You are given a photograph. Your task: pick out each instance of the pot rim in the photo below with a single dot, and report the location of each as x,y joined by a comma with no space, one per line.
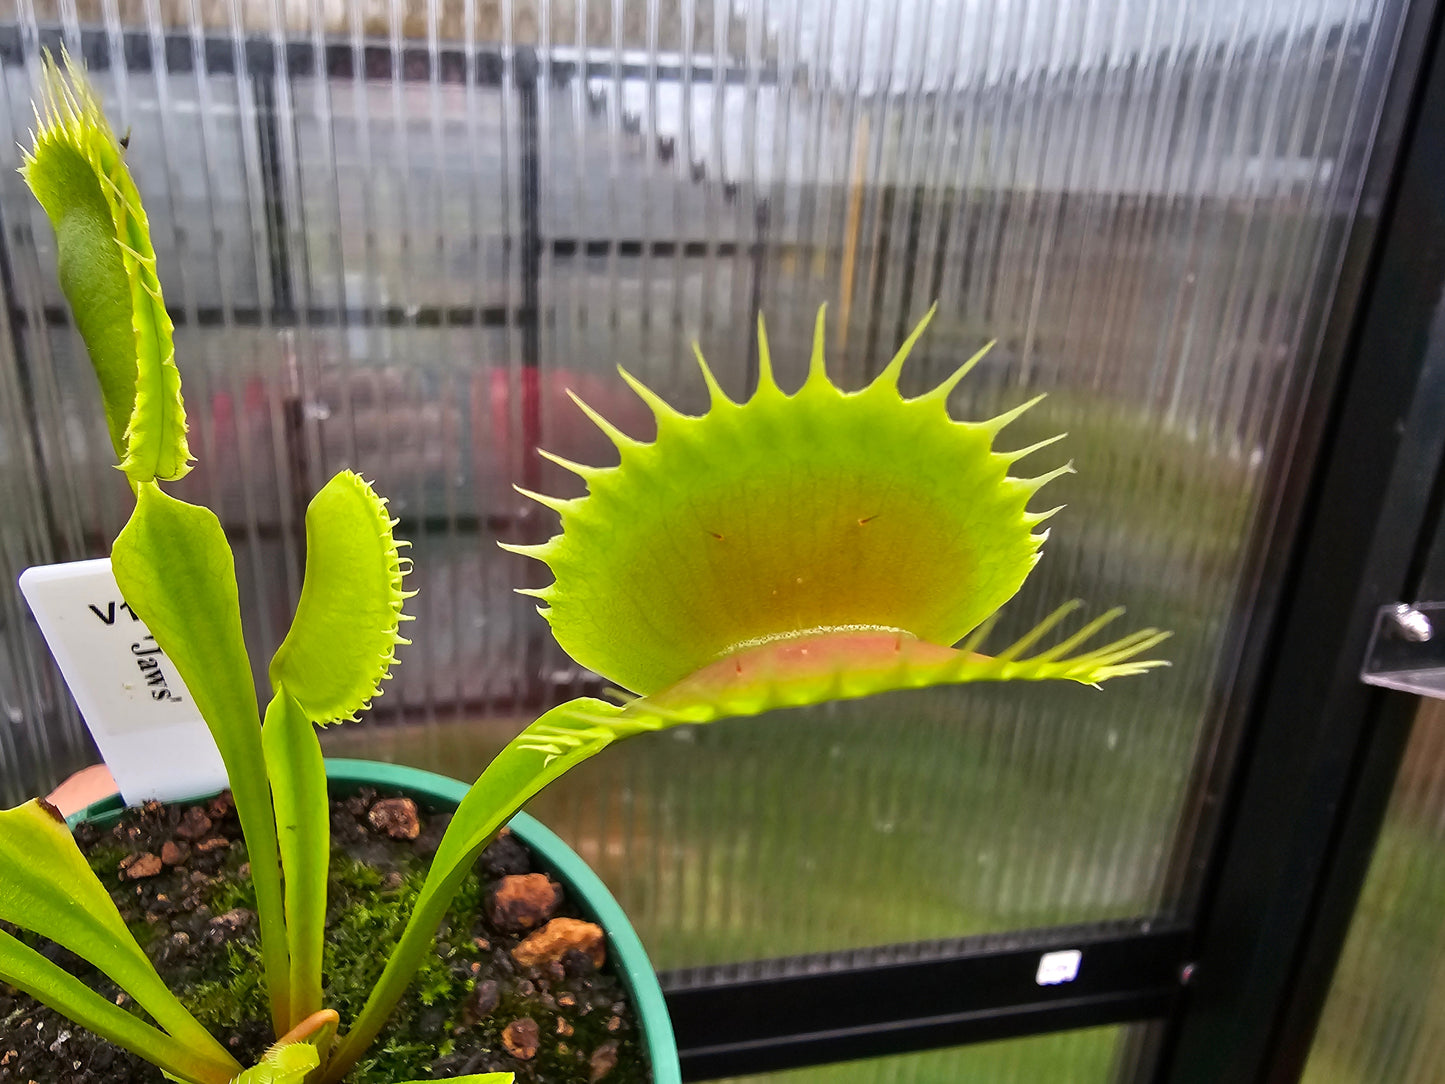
625,947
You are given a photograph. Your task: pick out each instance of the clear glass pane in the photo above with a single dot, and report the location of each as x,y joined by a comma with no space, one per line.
1383,1020
428,168
399,252
1071,1057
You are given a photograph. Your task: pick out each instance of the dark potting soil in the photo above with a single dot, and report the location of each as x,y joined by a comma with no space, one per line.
518,982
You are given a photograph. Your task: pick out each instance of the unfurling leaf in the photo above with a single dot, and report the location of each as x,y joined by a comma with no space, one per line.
286,1063
107,267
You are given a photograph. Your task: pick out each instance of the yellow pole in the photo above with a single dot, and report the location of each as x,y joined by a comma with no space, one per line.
850,235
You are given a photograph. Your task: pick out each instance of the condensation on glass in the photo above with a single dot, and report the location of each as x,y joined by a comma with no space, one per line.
1383,1019
395,236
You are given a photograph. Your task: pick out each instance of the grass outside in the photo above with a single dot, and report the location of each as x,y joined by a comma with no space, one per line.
1081,1057
1383,1019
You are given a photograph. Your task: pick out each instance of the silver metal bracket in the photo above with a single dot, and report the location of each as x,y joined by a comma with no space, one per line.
1407,649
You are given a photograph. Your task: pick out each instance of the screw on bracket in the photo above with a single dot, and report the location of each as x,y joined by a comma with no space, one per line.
1410,624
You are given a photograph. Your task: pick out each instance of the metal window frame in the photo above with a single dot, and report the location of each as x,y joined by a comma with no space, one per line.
812,1010
1290,805
1321,749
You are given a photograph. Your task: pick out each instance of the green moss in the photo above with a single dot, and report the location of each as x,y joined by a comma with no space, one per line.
368,908
104,859
231,994
231,893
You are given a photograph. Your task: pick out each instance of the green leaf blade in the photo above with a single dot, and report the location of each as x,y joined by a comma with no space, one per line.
48,888
107,269
27,970
303,828
174,567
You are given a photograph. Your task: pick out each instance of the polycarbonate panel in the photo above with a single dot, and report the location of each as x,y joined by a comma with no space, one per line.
1385,1017
1071,1057
399,248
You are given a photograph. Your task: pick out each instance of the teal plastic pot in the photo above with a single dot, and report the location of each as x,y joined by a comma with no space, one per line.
438,794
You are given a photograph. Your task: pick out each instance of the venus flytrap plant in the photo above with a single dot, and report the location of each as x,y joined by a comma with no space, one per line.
331,664
176,570
786,550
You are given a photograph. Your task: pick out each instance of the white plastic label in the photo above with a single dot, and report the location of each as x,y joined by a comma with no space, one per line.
1058,967
138,710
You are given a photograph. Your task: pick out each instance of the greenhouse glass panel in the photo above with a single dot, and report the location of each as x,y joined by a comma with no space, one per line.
395,239
1383,1017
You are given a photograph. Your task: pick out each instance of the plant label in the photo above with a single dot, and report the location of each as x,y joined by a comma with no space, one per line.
137,708
1056,968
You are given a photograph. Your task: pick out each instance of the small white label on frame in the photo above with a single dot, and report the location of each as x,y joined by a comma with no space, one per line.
137,708
1058,967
